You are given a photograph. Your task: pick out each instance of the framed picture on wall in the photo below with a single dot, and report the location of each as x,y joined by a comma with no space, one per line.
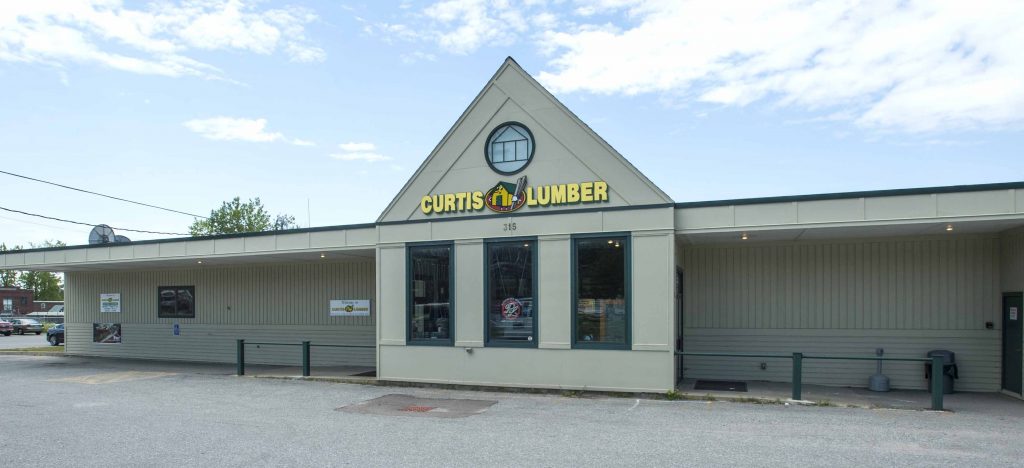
106,333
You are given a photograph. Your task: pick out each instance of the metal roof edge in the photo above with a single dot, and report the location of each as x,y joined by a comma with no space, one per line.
861,194
200,238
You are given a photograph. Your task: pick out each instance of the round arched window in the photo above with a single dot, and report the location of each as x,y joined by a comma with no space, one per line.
509,148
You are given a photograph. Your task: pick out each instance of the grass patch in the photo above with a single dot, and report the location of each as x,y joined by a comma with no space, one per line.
824,403
38,349
572,394
673,395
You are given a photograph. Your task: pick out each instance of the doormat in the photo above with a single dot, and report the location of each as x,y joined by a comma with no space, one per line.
408,405
372,373
720,385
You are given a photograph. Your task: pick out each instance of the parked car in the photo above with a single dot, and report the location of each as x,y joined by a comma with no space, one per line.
55,335
27,325
6,327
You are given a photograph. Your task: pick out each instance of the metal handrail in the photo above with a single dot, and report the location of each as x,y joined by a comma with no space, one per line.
306,345
936,368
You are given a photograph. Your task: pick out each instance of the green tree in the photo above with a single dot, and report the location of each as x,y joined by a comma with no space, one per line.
8,278
236,216
45,286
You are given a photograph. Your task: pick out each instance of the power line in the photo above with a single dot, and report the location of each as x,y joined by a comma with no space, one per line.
101,195
90,224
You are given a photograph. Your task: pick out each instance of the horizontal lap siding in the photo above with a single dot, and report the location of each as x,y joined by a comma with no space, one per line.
272,303
977,355
907,296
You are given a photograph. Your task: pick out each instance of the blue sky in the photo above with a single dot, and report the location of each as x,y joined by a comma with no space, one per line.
336,103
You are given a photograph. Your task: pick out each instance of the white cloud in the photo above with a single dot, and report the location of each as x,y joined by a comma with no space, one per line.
916,66
156,39
239,129
361,156
463,26
353,146
360,152
889,65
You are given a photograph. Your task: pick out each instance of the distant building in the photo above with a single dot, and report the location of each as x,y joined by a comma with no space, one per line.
16,301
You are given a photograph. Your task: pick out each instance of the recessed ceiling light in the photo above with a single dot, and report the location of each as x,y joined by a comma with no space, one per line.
744,236
322,255
949,227
200,261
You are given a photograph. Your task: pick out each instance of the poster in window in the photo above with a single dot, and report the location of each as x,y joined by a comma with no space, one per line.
110,303
106,333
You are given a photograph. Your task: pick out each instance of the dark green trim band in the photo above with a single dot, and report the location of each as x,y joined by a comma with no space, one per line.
864,194
519,214
341,227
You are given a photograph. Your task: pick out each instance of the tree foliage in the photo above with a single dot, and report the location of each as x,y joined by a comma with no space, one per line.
45,286
8,278
236,216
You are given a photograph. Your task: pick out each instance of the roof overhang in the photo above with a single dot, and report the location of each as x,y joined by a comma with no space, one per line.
297,246
917,212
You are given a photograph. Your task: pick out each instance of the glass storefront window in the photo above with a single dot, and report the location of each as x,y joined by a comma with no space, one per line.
601,292
511,293
177,302
429,290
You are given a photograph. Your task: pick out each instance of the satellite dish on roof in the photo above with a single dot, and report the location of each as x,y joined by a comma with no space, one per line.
102,234
120,238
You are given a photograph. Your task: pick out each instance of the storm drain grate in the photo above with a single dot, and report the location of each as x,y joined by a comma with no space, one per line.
720,385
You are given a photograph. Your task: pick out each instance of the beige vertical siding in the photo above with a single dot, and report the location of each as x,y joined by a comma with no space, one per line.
279,303
845,297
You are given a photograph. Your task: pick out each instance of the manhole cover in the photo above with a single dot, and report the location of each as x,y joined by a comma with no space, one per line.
408,405
720,385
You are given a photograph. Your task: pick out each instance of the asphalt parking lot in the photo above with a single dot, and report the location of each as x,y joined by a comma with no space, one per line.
29,340
61,411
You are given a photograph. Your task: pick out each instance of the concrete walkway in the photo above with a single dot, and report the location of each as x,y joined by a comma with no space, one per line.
775,392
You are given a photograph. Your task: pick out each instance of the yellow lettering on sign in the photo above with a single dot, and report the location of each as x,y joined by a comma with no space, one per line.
460,200
558,194
544,195
478,200
587,192
530,201
425,204
600,191
438,203
572,193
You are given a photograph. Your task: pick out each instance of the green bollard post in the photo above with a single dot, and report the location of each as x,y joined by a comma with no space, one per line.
241,357
305,359
798,360
937,383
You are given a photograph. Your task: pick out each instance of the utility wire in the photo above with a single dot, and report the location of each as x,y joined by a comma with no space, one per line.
89,224
101,195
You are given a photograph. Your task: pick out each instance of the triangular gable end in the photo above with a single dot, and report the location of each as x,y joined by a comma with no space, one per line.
566,156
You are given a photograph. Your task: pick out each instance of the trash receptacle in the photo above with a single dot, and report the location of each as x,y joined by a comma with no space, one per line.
949,368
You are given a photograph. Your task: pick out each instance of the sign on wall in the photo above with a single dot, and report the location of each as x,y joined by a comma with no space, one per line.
110,303
350,308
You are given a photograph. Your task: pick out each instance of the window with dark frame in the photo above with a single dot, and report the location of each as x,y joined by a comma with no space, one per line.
429,275
176,301
601,309
511,293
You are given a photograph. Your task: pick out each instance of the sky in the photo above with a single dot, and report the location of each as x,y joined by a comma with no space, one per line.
323,109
